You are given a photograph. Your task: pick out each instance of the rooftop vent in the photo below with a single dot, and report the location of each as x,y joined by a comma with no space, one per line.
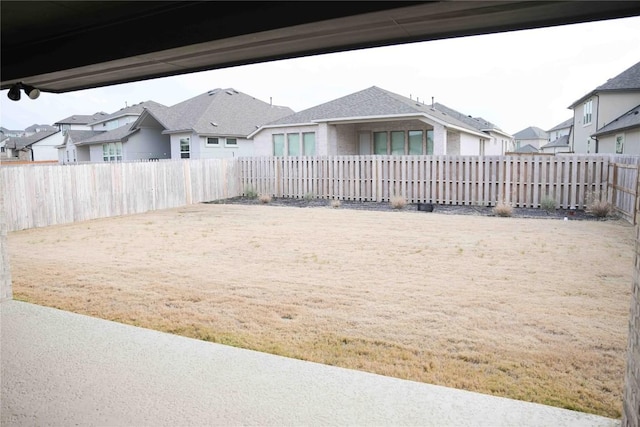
229,92
213,92
214,124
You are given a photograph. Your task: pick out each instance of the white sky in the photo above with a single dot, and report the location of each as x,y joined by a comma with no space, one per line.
515,80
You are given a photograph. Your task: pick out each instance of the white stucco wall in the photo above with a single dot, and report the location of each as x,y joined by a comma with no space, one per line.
45,149
175,145
470,144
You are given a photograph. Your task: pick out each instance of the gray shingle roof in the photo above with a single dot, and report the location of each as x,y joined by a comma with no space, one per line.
219,112
476,122
628,80
132,110
40,128
371,102
563,141
25,141
81,119
77,136
527,149
114,135
629,120
532,132
567,123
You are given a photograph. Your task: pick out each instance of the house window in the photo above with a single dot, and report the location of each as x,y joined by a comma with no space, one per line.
430,142
619,144
185,148
587,112
278,144
397,143
231,142
379,143
415,142
293,143
309,143
213,142
111,152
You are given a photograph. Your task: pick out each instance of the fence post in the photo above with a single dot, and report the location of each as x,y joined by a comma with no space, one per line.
5,274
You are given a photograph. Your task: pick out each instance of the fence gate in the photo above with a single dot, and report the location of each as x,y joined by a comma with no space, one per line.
623,189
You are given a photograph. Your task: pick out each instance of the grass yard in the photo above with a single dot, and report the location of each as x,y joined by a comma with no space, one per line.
530,309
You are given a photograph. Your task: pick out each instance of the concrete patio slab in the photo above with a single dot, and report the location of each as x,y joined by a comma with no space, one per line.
60,368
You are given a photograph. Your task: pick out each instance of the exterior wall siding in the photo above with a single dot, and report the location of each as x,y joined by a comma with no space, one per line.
147,143
243,149
46,148
631,146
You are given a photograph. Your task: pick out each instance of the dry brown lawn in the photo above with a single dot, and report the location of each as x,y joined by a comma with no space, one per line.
530,309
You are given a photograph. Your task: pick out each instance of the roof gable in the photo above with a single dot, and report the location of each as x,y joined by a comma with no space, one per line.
27,141
374,102
566,124
80,119
219,112
532,132
630,119
563,141
132,110
628,80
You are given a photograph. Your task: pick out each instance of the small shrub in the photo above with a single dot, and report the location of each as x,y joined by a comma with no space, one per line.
264,198
597,204
250,193
335,204
503,209
398,202
548,204
309,196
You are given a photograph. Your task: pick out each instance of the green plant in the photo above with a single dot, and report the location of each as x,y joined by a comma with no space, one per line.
250,193
503,209
597,204
548,203
398,202
264,198
309,196
335,204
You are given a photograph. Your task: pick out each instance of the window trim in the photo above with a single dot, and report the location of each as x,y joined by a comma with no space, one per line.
226,143
588,105
187,152
619,138
212,144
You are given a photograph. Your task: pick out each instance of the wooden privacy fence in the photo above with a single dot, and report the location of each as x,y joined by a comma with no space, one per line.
38,196
622,191
522,181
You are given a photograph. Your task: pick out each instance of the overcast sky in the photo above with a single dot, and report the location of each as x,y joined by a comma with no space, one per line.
515,80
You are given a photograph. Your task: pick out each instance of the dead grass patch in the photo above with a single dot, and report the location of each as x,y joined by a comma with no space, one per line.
462,301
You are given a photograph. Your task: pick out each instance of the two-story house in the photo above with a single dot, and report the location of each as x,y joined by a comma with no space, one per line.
559,138
595,113
108,137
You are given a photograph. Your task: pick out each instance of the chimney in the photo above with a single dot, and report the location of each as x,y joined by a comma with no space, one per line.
271,100
432,104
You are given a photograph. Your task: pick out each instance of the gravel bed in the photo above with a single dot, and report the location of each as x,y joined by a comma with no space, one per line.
560,214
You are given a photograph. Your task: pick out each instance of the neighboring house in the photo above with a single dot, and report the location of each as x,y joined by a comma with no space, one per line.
8,133
533,136
527,149
559,137
373,121
78,122
601,107
110,138
212,125
622,135
38,128
40,146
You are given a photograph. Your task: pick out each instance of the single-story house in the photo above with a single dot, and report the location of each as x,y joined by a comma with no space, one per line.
622,135
372,121
214,124
40,146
